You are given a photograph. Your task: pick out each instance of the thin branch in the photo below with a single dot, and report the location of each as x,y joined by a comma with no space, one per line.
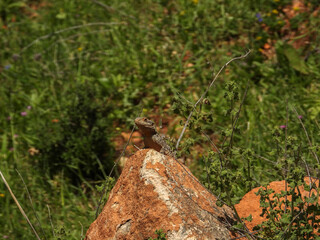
115,164
100,166
310,178
247,231
274,163
19,206
293,219
237,115
30,199
308,172
205,93
285,156
215,147
52,228
212,143
317,124
111,9
305,131
286,131
71,37
81,236
244,235
108,8
65,30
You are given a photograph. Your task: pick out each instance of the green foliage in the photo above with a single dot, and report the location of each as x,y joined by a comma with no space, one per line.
290,219
290,214
78,143
223,176
8,8
105,187
73,72
61,234
161,235
295,61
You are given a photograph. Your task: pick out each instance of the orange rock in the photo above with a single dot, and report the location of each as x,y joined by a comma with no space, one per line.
155,192
250,203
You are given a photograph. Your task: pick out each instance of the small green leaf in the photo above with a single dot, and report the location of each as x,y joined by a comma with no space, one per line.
296,62
17,4
61,15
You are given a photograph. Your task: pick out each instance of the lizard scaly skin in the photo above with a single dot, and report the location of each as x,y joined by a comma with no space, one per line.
153,139
156,141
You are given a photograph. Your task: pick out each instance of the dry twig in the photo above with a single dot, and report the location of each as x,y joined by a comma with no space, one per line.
67,29
19,206
307,135
115,164
205,93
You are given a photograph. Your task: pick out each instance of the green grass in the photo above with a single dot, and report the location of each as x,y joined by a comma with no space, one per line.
86,69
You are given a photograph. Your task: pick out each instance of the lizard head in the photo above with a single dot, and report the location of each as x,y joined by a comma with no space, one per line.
146,126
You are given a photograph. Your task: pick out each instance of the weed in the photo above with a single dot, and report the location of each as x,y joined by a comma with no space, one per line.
161,235
83,67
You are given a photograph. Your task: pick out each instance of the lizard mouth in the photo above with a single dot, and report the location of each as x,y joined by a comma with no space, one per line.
144,122
146,126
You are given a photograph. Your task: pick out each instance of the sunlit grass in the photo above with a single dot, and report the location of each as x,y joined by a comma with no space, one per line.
126,55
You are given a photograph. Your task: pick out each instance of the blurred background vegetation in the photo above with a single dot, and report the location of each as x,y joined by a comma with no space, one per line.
74,75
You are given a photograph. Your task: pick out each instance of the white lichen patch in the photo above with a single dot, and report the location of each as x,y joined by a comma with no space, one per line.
152,176
182,233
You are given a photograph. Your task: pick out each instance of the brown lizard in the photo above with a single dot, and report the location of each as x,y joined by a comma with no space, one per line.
158,142
153,139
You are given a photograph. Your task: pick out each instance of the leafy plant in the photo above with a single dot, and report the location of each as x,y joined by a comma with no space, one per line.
8,7
161,235
77,143
291,214
83,67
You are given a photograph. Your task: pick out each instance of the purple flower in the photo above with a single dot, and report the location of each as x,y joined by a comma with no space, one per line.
16,135
29,107
11,149
37,57
283,126
23,113
15,57
9,118
6,67
300,116
258,15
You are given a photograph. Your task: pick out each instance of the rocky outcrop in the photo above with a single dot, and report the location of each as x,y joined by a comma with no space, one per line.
155,192
250,203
